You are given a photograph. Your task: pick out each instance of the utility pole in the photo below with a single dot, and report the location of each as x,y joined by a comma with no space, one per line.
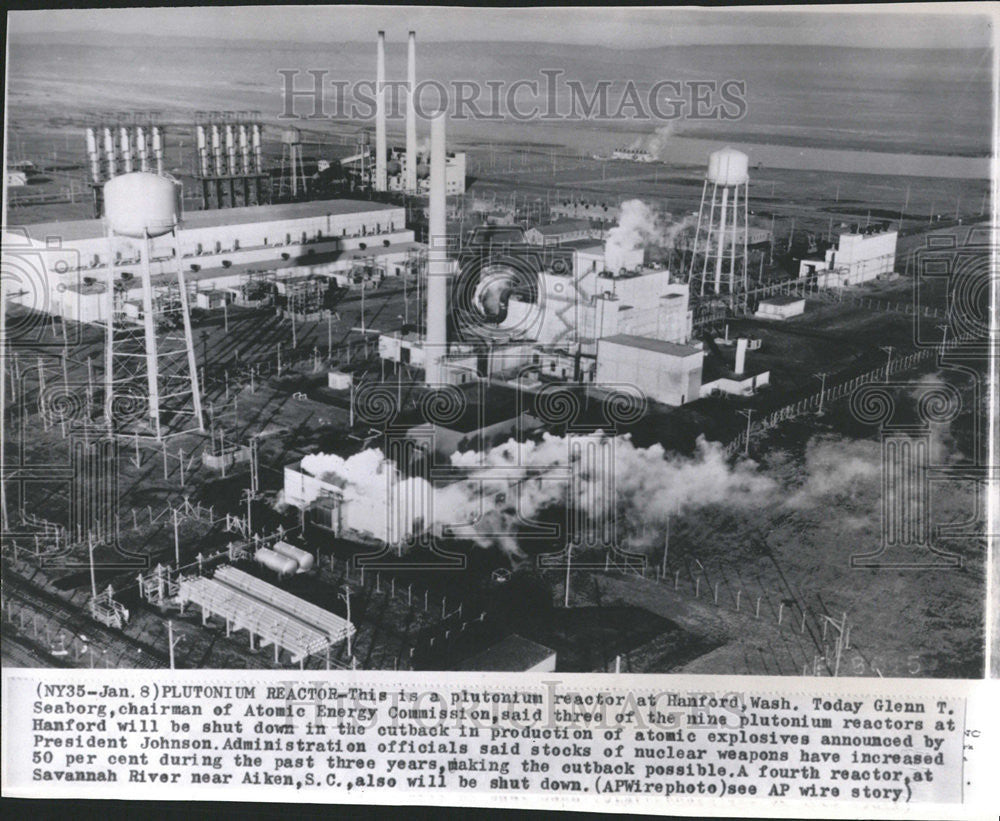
171,643
748,413
888,362
345,595
822,391
569,561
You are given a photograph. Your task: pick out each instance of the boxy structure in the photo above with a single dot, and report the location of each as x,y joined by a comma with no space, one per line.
665,371
860,256
781,307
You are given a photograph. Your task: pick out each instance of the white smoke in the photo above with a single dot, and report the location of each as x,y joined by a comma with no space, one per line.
678,230
655,143
513,482
638,226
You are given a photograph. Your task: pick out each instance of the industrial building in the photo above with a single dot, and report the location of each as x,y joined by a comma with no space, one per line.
562,230
216,248
664,371
861,255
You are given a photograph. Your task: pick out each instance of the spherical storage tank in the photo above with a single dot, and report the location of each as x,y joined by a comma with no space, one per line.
728,167
141,203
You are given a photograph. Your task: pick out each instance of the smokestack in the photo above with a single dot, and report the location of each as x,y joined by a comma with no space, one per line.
230,150
411,115
158,149
438,266
217,151
258,156
381,183
202,151
125,146
244,150
93,156
741,356
141,149
109,152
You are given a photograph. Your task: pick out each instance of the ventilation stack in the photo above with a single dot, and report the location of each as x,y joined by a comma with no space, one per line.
258,156
204,166
158,149
438,265
141,149
125,148
411,115
218,161
293,175
381,179
149,371
741,356
93,155
244,151
230,150
725,226
109,152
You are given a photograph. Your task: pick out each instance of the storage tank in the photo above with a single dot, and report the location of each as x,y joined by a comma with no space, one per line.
141,203
728,167
291,136
282,565
302,558
423,171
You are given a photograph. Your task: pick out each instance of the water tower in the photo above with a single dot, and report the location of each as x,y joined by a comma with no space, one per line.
293,176
720,240
149,367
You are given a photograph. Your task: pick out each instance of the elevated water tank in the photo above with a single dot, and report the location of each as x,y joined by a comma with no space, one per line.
291,136
282,565
139,203
728,167
302,558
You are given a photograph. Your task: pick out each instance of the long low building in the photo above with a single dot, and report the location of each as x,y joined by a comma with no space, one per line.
322,236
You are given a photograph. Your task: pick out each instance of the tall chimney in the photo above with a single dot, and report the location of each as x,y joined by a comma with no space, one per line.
411,115
109,152
741,356
93,155
381,182
158,149
438,266
244,150
125,148
202,151
217,151
258,157
141,148
230,150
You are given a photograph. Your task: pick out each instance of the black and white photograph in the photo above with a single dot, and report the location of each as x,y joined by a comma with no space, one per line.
347,340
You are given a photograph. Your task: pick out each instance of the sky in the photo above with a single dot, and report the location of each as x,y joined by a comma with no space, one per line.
906,26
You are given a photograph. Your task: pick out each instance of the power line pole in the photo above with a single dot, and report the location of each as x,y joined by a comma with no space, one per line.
345,595
748,413
888,362
822,391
